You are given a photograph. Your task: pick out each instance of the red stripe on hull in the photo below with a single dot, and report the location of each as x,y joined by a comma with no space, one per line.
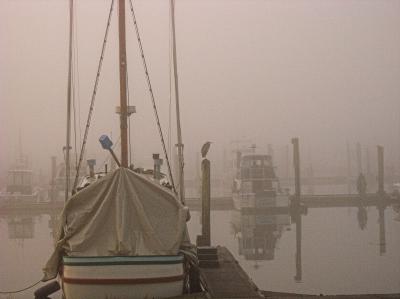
122,280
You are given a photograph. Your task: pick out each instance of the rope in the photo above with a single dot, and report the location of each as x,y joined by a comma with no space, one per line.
170,90
129,119
21,290
76,89
152,95
93,96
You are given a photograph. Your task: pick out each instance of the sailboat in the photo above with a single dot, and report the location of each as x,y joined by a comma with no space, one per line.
121,235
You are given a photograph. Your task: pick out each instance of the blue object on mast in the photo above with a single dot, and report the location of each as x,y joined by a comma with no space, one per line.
106,142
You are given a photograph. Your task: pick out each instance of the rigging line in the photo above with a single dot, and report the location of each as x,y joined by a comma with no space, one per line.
21,290
74,115
152,96
77,81
93,95
129,119
170,89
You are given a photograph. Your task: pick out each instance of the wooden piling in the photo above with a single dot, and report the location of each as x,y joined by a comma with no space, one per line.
296,162
359,160
348,154
205,238
53,178
381,188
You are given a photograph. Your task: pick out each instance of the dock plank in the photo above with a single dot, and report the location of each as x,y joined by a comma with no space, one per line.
228,280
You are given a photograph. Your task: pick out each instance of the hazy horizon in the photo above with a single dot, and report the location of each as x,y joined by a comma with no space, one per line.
326,72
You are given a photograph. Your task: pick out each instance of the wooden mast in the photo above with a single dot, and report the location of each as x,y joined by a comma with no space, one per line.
122,84
69,96
178,119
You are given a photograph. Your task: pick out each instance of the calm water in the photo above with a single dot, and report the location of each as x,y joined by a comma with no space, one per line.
339,250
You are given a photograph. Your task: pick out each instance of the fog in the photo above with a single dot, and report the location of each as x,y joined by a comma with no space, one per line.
265,71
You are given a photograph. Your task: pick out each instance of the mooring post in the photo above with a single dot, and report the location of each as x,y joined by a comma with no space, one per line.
348,153
53,178
296,162
381,188
359,160
205,199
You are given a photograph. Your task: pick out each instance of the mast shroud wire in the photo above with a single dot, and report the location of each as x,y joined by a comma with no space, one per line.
93,96
152,96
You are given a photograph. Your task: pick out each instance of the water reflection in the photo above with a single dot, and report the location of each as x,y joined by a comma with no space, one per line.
277,245
362,217
382,231
20,227
258,234
259,229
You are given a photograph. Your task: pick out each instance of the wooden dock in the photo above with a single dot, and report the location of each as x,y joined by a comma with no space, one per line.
227,279
217,203
35,208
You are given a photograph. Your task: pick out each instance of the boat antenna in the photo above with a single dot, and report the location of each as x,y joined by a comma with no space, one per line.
152,96
96,83
69,96
178,118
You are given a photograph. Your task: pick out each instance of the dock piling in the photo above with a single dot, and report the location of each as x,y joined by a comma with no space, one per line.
296,162
205,238
381,174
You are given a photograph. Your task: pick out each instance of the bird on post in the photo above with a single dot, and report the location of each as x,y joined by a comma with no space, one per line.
205,148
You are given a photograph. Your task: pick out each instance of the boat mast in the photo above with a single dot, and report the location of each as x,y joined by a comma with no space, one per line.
178,119
69,96
122,84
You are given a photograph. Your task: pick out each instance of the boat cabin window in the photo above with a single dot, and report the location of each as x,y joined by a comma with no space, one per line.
21,178
19,182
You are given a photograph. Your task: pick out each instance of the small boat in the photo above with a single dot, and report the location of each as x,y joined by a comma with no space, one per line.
120,238
255,183
19,186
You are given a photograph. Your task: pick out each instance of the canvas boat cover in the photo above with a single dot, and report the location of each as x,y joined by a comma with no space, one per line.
121,214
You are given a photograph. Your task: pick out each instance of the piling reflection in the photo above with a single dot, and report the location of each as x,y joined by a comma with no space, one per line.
362,217
296,215
382,231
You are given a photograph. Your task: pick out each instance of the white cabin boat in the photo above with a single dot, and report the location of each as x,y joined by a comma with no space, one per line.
19,186
255,183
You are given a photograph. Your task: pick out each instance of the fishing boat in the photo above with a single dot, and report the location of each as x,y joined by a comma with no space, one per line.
123,234
255,183
19,186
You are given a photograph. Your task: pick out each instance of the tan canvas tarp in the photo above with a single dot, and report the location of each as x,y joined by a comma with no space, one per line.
120,214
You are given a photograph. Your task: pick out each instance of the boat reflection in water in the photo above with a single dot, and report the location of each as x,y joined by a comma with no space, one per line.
258,229
258,234
256,193
20,228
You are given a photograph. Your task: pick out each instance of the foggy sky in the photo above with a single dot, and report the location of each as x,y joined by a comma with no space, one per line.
325,71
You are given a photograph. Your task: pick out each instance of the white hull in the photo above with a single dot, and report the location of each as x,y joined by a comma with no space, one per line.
123,277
